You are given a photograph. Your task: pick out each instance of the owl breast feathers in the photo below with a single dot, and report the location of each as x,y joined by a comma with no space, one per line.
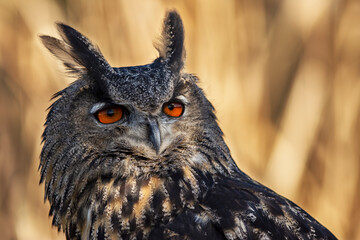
136,153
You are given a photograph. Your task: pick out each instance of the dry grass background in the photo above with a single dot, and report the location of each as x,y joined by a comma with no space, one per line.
284,77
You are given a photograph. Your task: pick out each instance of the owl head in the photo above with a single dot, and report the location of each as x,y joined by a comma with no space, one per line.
127,122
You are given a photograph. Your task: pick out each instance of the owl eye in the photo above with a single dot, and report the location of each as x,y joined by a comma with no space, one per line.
110,114
173,109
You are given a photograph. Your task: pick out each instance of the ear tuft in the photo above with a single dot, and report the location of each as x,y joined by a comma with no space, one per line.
171,48
76,52
61,51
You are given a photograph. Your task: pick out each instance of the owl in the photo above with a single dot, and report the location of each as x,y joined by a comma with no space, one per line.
137,153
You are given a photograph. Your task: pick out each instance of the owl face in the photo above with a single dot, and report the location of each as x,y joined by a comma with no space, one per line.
149,125
154,113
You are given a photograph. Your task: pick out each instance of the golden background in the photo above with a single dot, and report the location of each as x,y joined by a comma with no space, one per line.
284,77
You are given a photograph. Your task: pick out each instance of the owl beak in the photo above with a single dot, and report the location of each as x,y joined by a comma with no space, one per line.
154,134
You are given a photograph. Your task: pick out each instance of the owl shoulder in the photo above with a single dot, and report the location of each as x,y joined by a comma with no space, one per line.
245,209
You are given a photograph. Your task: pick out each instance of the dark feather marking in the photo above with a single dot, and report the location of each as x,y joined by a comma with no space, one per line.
100,233
72,233
115,221
157,201
174,189
128,207
101,209
132,225
139,235
148,218
106,178
93,232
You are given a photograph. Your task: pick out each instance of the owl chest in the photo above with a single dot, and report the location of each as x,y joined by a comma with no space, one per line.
132,208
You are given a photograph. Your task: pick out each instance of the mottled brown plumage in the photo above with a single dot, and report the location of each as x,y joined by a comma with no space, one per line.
150,174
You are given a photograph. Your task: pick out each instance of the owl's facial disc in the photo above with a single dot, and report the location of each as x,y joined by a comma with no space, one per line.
126,126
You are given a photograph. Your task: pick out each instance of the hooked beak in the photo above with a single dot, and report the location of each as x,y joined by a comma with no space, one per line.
154,134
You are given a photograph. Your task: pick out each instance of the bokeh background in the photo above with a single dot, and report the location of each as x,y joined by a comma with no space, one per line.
284,77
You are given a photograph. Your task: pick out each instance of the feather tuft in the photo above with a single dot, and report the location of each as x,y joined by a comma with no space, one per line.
171,45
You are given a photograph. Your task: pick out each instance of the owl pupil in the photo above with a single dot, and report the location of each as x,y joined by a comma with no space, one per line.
110,112
171,106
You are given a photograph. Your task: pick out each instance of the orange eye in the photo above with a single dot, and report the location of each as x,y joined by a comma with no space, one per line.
110,115
173,109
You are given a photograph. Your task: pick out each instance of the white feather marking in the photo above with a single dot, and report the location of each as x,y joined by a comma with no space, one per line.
202,219
252,217
198,159
183,99
86,229
240,230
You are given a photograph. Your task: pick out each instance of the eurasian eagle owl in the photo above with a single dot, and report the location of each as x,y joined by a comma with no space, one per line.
136,153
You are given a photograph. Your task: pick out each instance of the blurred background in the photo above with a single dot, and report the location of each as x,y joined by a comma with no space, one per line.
284,77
